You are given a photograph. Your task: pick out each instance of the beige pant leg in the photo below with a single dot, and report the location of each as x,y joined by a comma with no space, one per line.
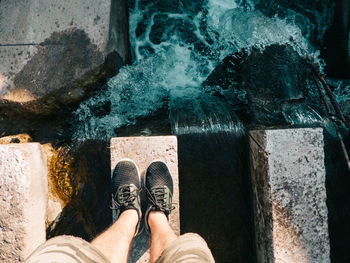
67,249
187,248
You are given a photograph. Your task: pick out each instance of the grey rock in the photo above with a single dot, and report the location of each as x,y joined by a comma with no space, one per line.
23,194
288,178
268,87
55,53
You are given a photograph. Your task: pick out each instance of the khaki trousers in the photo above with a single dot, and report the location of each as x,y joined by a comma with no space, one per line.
68,249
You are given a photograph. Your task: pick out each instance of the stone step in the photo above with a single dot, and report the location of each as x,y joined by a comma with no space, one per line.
288,179
23,198
40,40
144,150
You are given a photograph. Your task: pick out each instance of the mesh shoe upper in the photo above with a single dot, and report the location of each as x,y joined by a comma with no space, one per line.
159,187
158,174
126,186
125,173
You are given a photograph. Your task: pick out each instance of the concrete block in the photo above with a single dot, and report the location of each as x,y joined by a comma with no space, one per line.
51,46
23,194
143,151
288,179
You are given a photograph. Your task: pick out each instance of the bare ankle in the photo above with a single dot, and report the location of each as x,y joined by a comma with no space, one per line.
161,233
130,217
156,217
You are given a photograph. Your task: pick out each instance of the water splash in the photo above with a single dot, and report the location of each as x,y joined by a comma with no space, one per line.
249,29
312,17
342,90
175,46
301,115
193,111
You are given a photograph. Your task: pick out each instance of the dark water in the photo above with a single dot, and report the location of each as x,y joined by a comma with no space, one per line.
214,193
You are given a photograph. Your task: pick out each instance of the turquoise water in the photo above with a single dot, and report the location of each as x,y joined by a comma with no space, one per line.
175,46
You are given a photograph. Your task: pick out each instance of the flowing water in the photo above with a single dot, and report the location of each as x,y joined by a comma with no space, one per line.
176,45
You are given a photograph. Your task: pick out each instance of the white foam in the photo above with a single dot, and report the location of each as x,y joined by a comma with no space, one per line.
176,65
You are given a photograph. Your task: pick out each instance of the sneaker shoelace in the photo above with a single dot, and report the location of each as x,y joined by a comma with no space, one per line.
157,198
126,197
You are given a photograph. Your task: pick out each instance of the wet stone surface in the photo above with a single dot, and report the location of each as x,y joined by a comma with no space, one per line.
62,58
64,70
54,54
267,87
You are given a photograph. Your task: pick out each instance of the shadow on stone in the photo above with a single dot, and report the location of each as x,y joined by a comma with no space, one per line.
64,71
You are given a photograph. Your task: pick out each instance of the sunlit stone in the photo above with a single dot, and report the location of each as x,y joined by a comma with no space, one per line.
288,178
23,194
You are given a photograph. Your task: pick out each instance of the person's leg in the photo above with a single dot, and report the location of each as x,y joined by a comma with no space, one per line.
161,233
166,246
159,187
187,248
126,184
115,242
111,246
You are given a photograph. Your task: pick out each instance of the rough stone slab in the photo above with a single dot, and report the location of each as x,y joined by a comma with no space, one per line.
23,194
33,21
288,179
143,151
72,40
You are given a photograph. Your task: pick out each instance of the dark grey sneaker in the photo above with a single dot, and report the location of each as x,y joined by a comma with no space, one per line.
159,189
126,187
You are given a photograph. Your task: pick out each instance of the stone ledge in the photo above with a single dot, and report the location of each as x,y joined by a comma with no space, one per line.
23,194
288,179
54,52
